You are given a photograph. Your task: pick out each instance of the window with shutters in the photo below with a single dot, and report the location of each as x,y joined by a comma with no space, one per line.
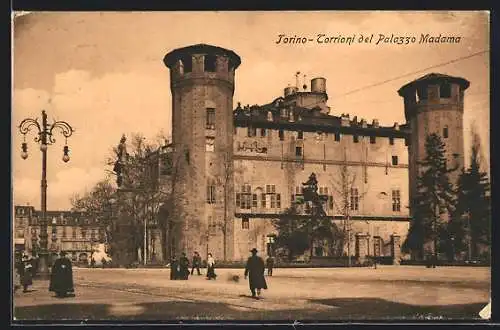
254,200
354,199
245,223
210,193
278,201
263,200
244,199
396,201
210,123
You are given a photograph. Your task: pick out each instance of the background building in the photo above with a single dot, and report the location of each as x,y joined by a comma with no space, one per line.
72,232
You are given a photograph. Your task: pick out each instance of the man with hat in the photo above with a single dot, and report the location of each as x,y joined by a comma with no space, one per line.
254,269
61,280
26,272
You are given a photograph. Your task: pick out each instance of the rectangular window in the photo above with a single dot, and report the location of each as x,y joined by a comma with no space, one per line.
245,223
298,151
252,131
355,138
278,201
254,201
210,122
394,160
445,91
187,63
391,140
273,201
64,232
263,132
396,201
73,234
270,189
210,63
210,194
337,137
263,200
84,233
372,139
354,199
282,135
445,132
238,200
330,202
300,135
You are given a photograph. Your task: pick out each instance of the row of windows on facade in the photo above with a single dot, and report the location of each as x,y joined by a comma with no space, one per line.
64,221
252,131
94,233
270,199
209,64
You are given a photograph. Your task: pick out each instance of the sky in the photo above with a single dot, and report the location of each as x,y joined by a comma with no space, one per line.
102,72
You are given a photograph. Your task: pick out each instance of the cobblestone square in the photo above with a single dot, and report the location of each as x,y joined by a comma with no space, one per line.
388,292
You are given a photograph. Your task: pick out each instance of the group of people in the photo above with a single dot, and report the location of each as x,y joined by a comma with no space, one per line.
179,269
61,275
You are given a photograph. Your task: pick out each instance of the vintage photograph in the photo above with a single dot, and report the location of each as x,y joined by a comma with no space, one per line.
292,166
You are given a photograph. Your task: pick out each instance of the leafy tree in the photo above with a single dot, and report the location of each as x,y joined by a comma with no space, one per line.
305,222
291,234
434,200
473,210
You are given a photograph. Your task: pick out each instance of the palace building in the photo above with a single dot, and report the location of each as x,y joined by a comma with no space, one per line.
238,168
73,232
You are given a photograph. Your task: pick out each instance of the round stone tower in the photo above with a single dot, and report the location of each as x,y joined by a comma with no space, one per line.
434,103
202,86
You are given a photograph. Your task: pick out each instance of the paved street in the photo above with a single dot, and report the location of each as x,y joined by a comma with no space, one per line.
388,292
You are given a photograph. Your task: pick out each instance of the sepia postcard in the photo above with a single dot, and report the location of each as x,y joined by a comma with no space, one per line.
236,166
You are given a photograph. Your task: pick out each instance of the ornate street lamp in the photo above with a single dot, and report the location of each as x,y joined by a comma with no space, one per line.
44,137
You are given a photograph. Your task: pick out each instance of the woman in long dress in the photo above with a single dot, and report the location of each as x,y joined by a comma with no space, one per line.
211,267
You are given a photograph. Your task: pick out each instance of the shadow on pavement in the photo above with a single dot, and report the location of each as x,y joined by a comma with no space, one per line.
344,309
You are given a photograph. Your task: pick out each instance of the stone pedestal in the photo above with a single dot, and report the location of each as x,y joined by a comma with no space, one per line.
396,248
361,246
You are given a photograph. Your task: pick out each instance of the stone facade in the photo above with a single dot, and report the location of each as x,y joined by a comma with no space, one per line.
69,231
239,169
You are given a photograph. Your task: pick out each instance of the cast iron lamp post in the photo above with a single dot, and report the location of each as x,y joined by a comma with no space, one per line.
44,137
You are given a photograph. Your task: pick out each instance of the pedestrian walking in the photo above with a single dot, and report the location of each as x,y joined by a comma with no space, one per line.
196,263
26,272
61,279
254,269
211,267
174,268
184,266
270,265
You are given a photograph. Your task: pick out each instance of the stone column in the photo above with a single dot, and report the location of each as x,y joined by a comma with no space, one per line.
395,248
361,246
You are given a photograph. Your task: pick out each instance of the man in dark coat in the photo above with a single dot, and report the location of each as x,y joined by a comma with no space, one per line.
270,265
61,280
196,263
254,269
184,266
26,272
174,269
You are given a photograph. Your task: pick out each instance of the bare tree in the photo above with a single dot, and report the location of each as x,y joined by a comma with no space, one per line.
349,198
